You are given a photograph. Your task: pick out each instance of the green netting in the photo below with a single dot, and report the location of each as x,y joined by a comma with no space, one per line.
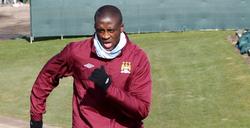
64,17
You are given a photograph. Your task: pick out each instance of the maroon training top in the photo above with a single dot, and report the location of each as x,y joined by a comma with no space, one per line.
123,105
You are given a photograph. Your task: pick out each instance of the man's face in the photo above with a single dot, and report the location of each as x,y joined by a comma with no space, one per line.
108,31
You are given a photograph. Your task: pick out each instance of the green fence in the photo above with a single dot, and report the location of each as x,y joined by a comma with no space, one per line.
75,17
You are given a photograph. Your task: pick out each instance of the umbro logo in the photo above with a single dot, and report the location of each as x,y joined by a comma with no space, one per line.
89,65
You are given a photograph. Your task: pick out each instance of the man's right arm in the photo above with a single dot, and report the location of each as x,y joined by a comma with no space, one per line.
56,68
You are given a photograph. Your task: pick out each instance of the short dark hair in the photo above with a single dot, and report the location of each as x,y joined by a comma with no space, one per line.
108,10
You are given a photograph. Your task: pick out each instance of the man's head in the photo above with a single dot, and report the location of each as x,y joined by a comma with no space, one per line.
108,26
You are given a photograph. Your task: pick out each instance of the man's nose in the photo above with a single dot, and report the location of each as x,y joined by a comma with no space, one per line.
106,35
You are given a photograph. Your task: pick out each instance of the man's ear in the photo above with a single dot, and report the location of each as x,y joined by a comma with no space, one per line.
122,27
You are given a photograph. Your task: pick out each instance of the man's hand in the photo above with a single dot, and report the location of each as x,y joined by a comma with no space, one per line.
100,78
36,124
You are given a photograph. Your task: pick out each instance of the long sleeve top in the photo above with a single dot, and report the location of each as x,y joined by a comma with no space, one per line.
124,104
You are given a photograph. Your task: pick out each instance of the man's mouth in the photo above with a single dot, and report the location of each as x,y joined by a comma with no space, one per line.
107,45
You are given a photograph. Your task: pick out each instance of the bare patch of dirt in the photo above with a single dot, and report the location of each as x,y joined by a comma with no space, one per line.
14,21
7,122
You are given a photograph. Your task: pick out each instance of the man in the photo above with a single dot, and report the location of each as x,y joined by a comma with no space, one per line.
112,79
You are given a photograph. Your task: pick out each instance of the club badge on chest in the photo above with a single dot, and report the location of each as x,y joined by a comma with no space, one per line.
126,67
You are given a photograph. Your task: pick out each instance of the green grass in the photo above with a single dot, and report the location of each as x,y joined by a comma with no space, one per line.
199,81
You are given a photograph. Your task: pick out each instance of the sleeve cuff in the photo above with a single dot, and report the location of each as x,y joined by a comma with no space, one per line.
36,117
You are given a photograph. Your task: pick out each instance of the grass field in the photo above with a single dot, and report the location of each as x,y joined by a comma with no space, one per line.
199,81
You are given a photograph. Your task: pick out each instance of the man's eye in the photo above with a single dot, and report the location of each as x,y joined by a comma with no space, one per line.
100,30
111,30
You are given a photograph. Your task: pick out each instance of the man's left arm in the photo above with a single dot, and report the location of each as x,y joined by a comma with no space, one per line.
135,102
